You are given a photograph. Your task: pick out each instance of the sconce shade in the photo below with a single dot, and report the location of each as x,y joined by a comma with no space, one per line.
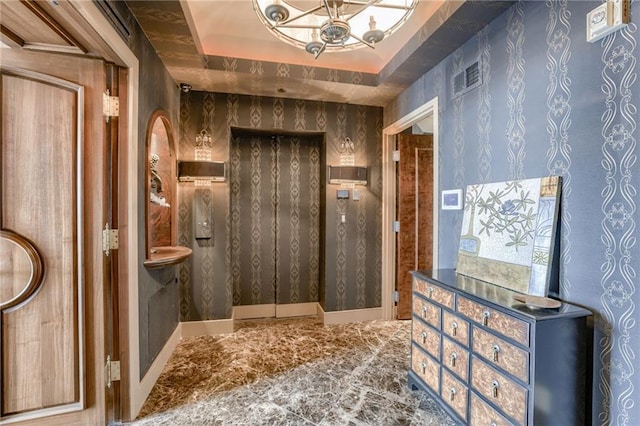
348,174
189,171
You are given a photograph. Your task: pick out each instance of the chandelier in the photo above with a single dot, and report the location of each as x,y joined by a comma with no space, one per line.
319,25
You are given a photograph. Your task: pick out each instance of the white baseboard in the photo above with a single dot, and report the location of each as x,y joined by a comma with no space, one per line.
139,396
354,315
275,311
206,328
297,310
254,311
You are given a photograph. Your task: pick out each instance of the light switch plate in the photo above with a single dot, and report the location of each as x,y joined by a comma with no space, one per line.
342,194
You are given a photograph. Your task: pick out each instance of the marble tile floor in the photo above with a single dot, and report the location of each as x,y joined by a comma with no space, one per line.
292,372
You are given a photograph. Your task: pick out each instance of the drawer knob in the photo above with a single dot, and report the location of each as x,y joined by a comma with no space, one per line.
454,328
452,394
496,351
430,290
453,358
424,312
494,388
424,367
485,317
424,337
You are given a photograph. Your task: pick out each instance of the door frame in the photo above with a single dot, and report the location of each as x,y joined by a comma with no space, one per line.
128,256
389,196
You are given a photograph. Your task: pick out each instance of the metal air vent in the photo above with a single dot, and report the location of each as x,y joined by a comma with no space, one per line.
466,80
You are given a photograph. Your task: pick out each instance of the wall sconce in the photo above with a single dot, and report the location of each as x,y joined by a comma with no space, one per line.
202,171
347,173
203,146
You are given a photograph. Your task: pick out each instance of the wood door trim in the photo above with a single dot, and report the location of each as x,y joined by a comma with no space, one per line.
46,19
388,270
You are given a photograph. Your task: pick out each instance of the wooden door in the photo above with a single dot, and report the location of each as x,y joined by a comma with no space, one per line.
415,207
51,216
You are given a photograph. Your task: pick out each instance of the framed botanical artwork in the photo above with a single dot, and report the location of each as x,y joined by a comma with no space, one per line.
508,234
451,199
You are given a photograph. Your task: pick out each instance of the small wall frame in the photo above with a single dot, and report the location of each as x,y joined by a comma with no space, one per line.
451,199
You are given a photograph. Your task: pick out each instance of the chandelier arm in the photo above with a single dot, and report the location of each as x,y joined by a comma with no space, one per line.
362,41
302,15
390,6
365,4
324,46
326,6
301,26
377,3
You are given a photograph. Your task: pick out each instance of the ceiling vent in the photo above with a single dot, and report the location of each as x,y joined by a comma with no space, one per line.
467,79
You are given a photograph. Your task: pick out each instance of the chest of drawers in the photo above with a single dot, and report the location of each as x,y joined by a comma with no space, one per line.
490,360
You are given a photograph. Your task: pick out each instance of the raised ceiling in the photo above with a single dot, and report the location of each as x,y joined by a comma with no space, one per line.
221,46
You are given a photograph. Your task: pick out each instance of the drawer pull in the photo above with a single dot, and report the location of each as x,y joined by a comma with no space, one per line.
494,388
430,290
453,357
424,312
424,367
496,350
452,394
424,337
485,317
454,328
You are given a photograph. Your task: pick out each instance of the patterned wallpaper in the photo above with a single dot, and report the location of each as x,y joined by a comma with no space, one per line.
213,280
275,218
552,103
157,289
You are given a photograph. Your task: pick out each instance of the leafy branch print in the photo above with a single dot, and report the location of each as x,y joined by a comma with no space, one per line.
507,211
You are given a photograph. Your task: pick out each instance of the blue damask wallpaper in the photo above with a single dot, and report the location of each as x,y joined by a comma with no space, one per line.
551,103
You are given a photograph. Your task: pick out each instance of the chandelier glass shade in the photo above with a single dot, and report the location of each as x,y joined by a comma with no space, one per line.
333,25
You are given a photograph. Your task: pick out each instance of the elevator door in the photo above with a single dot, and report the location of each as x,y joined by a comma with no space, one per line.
275,218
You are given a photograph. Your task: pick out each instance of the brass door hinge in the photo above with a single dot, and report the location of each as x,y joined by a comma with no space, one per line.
111,371
110,106
110,239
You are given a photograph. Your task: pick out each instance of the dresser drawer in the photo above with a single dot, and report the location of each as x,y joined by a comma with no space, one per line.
427,311
500,322
426,337
483,415
507,395
434,292
455,358
455,394
501,353
426,368
456,328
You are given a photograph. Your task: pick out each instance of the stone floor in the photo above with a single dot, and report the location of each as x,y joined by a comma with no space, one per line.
292,372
